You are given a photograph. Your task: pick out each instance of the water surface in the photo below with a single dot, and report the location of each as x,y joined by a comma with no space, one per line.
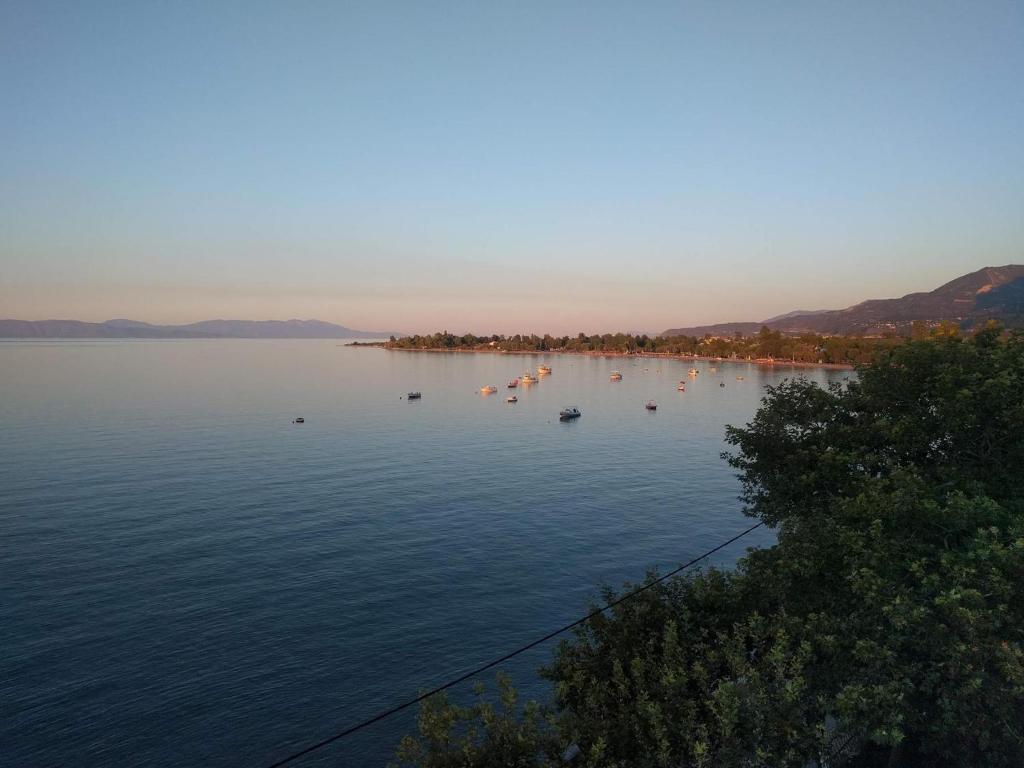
187,577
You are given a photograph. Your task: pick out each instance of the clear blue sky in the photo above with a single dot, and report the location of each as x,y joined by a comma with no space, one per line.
502,167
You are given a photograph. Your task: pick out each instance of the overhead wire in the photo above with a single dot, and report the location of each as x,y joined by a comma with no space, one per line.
501,659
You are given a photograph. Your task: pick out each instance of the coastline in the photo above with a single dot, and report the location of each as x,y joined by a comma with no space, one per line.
642,355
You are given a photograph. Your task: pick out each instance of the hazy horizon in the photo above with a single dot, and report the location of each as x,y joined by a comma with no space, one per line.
527,168
453,329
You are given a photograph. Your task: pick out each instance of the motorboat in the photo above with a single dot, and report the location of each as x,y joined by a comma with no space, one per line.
490,389
616,376
414,396
511,399
529,379
298,420
513,384
721,383
543,370
682,386
651,405
739,378
693,371
569,413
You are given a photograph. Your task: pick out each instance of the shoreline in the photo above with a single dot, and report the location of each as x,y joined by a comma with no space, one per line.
642,355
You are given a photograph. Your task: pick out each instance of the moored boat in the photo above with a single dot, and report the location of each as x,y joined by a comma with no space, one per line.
739,378
414,396
511,399
616,376
490,389
651,405
569,413
298,420
543,370
529,379
693,371
513,384
682,386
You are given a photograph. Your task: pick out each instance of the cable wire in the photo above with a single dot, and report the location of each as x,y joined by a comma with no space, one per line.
522,649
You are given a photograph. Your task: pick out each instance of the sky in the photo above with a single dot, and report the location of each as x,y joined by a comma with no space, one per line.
502,167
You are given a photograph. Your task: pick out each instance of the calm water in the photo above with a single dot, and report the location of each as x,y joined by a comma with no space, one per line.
186,577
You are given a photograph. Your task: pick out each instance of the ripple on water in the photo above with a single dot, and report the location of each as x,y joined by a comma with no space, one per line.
187,576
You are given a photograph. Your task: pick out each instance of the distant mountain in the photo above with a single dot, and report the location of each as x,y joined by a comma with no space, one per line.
75,329
796,313
129,324
992,293
280,329
718,329
208,329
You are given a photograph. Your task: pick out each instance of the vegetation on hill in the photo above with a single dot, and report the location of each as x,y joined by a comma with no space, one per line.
885,627
809,348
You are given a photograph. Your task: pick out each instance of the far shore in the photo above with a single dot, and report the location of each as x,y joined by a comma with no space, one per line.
643,355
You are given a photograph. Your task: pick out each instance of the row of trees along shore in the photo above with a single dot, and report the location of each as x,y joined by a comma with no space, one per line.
806,348
885,627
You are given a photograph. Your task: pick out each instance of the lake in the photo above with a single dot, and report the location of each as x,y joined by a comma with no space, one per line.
187,577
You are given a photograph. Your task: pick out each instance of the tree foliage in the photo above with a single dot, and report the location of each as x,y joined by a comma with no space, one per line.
885,626
768,344
482,735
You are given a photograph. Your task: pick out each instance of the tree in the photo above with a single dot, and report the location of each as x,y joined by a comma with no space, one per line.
481,735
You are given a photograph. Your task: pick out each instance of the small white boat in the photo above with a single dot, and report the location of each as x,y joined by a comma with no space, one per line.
543,370
569,412
739,378
651,405
682,386
490,389
513,384
616,376
528,379
693,371
511,399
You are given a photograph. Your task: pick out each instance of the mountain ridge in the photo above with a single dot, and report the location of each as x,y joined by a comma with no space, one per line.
121,328
990,293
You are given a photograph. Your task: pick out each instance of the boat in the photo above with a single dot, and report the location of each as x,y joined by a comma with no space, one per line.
490,389
414,396
616,376
682,386
721,383
511,399
651,405
513,384
693,371
739,378
569,413
298,420
543,370
528,379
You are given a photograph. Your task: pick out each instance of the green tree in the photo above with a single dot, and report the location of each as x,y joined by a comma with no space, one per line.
482,735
